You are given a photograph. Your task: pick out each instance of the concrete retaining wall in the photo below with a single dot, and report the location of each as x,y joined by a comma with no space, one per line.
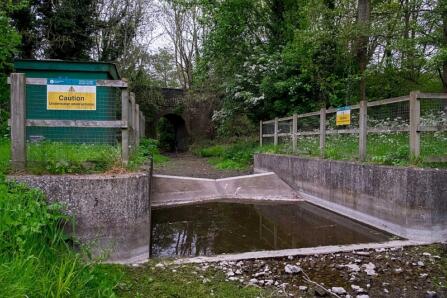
111,211
409,202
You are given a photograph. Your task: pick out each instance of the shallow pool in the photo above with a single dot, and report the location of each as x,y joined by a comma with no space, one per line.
218,228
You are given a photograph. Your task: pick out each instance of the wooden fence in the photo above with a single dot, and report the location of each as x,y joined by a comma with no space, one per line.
414,128
132,123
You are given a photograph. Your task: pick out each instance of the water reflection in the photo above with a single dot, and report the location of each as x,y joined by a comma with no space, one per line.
216,228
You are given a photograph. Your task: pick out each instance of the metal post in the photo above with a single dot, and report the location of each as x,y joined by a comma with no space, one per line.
275,136
322,131
415,113
125,131
18,127
260,133
363,130
294,132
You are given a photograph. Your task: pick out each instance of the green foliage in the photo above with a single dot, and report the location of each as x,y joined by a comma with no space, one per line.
36,258
236,156
148,149
64,158
68,27
385,149
9,43
274,58
166,134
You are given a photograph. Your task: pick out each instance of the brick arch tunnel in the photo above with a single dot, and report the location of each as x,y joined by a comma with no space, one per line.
173,133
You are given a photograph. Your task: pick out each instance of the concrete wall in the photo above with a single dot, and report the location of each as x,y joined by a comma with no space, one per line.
170,190
409,202
111,212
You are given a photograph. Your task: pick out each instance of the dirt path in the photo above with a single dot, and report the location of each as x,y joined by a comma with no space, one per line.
186,164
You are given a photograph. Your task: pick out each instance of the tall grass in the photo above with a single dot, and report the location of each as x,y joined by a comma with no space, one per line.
386,149
65,158
36,257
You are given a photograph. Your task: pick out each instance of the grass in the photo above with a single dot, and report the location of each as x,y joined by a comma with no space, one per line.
183,281
36,257
385,149
65,158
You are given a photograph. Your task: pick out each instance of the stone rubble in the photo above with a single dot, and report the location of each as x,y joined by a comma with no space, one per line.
372,273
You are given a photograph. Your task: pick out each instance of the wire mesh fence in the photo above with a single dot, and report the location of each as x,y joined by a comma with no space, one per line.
434,118
308,135
71,139
408,129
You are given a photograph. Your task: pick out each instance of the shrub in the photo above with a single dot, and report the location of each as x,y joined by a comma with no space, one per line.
35,255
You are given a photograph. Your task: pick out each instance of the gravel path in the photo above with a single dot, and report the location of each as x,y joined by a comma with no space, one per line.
186,164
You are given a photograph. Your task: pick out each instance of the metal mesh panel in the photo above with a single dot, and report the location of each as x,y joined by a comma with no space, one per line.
72,148
285,127
342,140
268,128
388,138
389,116
308,144
434,116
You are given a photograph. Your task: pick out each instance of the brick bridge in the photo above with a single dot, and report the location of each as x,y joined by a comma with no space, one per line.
189,114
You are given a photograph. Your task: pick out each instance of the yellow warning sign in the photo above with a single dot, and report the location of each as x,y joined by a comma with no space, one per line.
71,97
343,116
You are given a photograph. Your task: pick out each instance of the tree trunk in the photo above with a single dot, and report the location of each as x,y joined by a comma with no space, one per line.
363,17
444,65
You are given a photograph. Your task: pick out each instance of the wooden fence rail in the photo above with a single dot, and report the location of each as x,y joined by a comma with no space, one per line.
132,122
414,128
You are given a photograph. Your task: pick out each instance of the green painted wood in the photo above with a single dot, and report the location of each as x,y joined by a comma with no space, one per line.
108,100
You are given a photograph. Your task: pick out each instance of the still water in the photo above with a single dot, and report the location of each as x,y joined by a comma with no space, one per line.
217,228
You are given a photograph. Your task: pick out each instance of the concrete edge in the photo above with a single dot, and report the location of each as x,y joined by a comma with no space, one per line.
181,177
265,173
300,251
247,176
96,176
408,233
226,200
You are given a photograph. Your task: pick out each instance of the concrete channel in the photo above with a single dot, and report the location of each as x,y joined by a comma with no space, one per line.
115,210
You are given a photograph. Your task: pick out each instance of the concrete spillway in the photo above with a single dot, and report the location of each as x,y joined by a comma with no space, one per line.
169,190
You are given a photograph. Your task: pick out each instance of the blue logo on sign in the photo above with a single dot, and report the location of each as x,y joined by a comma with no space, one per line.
59,81
346,108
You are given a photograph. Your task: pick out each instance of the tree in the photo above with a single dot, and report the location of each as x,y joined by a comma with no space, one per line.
9,43
163,69
67,27
363,19
181,23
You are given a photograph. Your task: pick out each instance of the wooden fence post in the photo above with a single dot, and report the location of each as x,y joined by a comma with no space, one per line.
415,113
132,120
322,131
260,133
125,131
18,127
141,125
275,136
143,130
294,131
137,126
363,129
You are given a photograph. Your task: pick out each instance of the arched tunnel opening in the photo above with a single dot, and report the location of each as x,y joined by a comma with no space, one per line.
172,133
